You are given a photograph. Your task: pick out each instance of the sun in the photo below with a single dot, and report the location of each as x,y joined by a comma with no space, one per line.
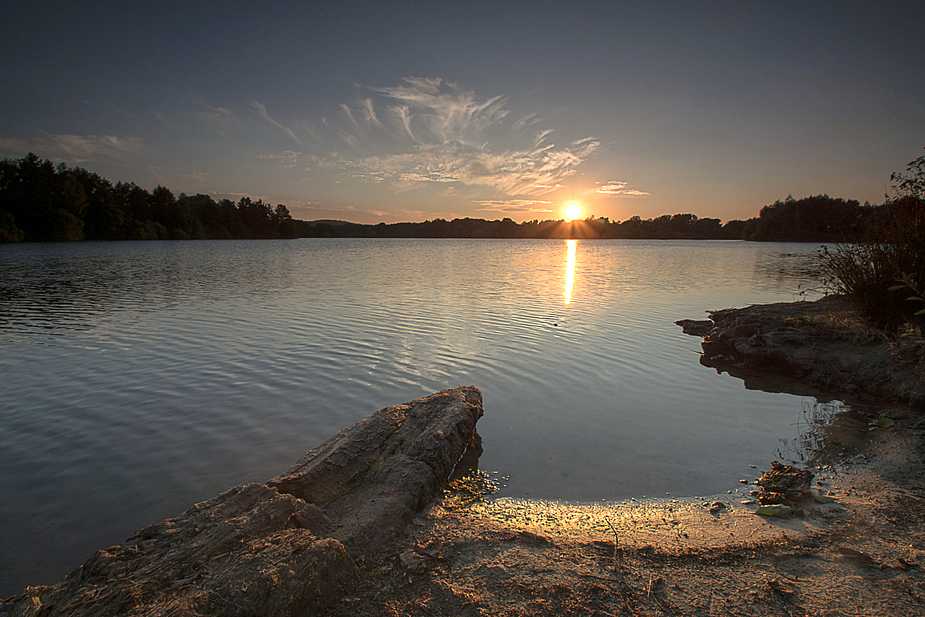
572,212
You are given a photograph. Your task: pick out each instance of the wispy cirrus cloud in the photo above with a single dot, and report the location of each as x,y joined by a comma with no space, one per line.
225,121
434,111
289,157
73,148
261,109
618,187
514,206
430,131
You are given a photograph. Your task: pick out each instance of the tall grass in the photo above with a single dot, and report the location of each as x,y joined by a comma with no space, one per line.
867,274
876,274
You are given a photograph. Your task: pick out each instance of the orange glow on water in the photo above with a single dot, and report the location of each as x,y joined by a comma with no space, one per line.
569,270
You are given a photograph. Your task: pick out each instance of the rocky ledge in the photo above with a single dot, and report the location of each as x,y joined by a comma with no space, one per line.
821,345
287,547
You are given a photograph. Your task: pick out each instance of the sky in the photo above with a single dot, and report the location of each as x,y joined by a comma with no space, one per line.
407,111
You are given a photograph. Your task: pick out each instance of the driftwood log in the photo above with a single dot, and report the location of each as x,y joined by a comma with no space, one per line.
288,547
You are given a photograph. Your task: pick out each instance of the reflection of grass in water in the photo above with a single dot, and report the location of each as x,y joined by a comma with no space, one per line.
825,432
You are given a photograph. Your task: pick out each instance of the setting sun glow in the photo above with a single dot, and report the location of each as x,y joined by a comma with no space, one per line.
572,212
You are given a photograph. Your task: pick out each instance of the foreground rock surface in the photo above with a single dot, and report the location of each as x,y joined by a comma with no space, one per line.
821,343
288,547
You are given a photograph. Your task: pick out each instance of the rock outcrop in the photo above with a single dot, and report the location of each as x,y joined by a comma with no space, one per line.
288,547
784,484
821,344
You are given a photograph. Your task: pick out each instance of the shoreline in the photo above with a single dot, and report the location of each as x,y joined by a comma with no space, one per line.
418,552
814,347
861,553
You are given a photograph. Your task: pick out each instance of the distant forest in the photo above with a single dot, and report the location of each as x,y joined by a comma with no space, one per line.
40,201
43,202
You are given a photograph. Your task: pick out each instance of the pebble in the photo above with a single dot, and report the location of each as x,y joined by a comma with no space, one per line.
778,510
409,558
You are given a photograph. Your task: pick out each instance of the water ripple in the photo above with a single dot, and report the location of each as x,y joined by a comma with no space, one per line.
142,377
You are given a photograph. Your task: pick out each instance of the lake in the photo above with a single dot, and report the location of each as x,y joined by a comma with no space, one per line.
140,378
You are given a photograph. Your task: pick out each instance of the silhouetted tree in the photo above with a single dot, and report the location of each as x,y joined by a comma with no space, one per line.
45,203
818,218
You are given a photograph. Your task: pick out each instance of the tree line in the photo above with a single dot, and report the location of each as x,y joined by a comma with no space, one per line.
818,218
663,227
43,202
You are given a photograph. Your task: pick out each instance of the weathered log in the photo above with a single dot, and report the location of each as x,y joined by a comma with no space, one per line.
286,548
372,477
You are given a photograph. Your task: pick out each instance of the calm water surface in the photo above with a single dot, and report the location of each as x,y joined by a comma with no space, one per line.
140,378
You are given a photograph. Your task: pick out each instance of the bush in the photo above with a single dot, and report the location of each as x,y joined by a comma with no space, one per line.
867,273
874,274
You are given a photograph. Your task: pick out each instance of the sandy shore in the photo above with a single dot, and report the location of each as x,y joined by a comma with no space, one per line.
861,554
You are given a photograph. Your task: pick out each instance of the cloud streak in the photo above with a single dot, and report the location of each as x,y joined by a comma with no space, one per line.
515,206
431,131
289,158
74,148
262,111
618,187
225,121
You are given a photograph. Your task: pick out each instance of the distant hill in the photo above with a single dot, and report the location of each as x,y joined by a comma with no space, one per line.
329,222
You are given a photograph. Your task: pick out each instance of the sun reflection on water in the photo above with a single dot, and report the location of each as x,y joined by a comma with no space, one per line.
569,270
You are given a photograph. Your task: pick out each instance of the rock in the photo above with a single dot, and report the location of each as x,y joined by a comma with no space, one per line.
374,476
883,423
778,510
695,327
806,347
285,548
849,553
244,549
784,484
412,562
528,537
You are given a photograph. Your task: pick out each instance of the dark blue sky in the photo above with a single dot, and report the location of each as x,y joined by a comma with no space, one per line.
409,111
